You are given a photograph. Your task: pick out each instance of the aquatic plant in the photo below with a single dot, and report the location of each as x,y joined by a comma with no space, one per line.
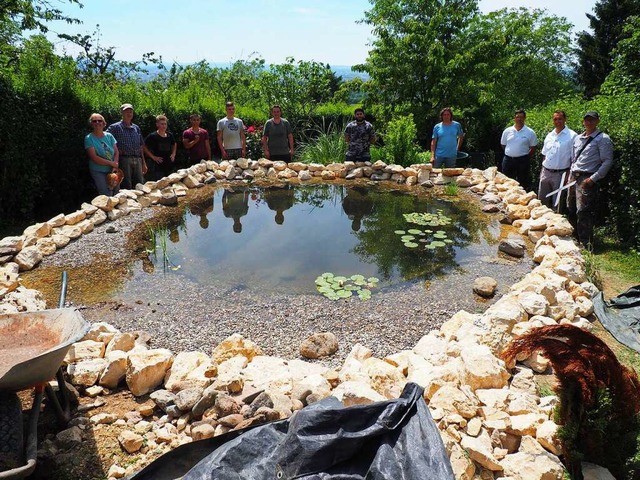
335,287
451,189
158,240
439,237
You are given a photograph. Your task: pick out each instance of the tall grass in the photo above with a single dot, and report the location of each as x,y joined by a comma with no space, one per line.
327,145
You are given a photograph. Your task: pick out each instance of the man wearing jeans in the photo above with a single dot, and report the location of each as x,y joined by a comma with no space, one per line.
591,160
518,142
130,146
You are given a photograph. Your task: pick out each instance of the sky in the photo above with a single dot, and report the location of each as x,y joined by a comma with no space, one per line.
224,31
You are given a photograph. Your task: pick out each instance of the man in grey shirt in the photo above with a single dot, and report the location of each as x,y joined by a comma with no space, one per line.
277,138
591,160
231,138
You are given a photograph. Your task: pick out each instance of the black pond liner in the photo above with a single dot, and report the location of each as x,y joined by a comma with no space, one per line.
621,316
389,440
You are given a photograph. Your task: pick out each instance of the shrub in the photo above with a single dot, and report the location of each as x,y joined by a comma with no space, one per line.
400,145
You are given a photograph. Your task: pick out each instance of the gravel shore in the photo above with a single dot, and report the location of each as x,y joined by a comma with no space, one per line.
182,315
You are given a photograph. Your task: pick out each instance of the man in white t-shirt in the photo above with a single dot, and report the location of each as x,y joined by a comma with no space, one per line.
556,157
518,142
231,138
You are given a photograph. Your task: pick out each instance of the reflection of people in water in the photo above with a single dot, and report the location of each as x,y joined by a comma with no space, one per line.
174,236
279,200
202,209
357,205
235,204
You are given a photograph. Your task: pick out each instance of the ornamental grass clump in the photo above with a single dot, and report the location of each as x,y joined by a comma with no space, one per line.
599,398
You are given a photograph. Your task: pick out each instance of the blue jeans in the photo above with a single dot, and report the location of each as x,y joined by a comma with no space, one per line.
448,162
100,181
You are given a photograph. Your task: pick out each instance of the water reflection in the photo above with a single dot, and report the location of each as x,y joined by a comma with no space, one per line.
357,204
202,210
279,199
329,228
235,205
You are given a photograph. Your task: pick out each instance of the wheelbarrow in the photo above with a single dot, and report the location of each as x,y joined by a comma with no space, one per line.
32,348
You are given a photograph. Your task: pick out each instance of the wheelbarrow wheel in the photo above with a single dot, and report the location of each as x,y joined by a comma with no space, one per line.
11,434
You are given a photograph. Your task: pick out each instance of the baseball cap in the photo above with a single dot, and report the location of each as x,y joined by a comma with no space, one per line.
591,113
125,106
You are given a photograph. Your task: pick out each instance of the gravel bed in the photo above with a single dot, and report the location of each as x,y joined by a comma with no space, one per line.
182,315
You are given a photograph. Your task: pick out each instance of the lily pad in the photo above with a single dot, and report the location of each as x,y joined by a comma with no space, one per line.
436,243
400,232
413,231
410,245
404,238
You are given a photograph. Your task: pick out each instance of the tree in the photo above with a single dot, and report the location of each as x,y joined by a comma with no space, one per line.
595,49
412,62
297,86
625,76
34,14
431,54
96,60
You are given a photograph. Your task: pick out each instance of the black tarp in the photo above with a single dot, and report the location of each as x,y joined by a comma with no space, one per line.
621,316
391,440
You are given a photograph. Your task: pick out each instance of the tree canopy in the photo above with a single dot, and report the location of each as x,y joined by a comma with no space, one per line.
594,49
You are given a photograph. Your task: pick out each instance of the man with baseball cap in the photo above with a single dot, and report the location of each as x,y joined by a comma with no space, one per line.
130,145
591,160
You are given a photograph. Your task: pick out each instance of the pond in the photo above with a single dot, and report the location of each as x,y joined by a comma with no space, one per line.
281,239
247,260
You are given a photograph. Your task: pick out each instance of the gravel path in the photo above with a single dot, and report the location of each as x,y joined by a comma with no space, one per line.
182,315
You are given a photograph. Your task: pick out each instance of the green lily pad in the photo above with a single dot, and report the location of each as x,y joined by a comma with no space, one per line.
431,246
413,231
372,280
410,245
435,243
400,232
447,240
407,237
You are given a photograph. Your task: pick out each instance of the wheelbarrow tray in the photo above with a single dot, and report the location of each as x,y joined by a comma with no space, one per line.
33,345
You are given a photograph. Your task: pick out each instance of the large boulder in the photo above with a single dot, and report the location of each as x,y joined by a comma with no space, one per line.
147,369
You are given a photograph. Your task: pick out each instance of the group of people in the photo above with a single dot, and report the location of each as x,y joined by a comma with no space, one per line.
578,161
121,146
570,161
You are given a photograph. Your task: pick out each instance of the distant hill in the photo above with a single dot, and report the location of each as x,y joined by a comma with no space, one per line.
343,71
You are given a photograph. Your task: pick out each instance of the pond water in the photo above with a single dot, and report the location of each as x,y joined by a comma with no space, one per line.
281,239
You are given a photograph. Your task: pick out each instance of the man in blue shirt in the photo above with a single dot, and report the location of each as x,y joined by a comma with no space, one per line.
130,146
446,140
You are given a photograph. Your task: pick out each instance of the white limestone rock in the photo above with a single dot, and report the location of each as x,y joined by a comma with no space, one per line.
147,369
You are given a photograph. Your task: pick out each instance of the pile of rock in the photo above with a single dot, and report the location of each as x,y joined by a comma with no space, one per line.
492,419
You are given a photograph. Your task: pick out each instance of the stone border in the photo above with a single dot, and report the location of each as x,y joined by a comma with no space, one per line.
492,420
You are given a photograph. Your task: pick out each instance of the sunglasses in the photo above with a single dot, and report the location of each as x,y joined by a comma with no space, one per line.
97,121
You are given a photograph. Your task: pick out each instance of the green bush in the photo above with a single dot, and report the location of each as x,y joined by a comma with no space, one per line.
400,145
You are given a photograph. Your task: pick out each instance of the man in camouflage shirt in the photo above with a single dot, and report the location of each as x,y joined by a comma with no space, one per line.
359,136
